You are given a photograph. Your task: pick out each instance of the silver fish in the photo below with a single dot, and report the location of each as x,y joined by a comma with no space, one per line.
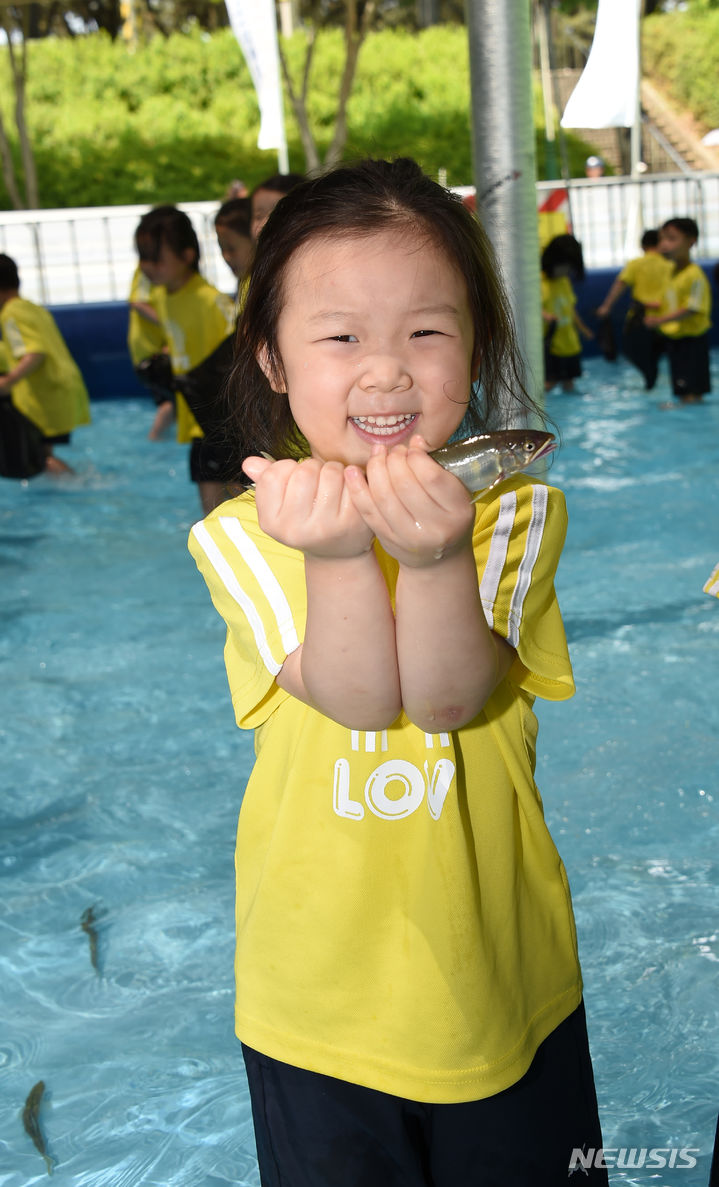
87,923
483,461
31,1122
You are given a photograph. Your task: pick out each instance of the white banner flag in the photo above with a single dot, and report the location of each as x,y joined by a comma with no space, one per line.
254,24
606,95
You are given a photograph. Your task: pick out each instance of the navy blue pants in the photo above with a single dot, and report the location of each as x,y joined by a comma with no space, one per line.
315,1131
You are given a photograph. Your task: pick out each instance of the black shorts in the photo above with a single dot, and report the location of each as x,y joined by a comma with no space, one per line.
315,1131
560,368
59,439
209,461
641,345
689,365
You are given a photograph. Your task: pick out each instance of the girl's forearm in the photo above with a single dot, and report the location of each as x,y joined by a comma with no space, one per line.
27,364
611,298
146,310
675,315
348,665
582,326
449,660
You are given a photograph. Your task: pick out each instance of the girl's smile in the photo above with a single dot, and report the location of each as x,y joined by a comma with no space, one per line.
376,341
396,427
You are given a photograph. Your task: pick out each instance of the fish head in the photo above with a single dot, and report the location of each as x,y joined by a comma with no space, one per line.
519,448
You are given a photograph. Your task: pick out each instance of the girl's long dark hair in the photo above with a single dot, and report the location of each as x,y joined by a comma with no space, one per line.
363,200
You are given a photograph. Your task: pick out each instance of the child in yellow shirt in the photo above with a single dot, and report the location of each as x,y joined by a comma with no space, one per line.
684,316
196,319
646,277
44,380
562,260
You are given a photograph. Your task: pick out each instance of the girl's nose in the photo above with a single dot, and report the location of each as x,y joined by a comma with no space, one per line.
384,373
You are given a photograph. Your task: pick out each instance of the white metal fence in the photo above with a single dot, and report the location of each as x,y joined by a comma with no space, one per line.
609,215
74,256
69,257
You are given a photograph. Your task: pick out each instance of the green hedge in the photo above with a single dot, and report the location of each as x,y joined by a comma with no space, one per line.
178,119
681,51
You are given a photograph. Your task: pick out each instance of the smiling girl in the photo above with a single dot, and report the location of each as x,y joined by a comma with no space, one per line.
408,989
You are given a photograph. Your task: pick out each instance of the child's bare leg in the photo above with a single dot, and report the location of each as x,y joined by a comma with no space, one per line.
164,417
211,495
686,399
55,465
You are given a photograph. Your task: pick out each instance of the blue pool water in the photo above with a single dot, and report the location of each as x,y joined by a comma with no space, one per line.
123,773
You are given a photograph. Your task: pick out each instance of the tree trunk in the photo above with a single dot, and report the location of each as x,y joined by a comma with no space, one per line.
26,153
355,33
18,67
299,105
8,168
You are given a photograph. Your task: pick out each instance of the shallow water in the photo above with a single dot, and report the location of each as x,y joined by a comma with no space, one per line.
123,773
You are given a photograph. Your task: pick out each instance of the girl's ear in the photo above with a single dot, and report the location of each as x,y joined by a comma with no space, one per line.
272,374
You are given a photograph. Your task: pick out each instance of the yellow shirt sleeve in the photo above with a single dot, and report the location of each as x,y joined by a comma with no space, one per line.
519,535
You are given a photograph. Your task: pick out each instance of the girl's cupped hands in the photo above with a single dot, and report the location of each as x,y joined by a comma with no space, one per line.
307,505
419,513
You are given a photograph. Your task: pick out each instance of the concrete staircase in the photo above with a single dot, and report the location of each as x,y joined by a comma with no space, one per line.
679,129
669,137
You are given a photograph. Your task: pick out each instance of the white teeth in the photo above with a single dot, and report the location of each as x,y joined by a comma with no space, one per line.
383,426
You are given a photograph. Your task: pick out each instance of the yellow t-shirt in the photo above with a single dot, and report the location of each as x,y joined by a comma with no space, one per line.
144,337
558,299
712,584
196,320
403,917
54,397
647,276
687,289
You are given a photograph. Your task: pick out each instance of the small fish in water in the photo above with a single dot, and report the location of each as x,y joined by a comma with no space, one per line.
87,923
483,461
30,1119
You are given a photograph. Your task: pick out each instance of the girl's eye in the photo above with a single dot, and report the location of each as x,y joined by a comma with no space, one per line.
424,333
343,338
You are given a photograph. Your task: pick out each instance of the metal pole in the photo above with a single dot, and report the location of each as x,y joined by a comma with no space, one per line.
634,217
500,57
636,134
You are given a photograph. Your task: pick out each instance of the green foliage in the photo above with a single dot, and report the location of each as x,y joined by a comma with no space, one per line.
178,119
681,50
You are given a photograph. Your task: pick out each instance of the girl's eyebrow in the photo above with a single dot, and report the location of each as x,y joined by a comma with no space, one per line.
434,309
328,314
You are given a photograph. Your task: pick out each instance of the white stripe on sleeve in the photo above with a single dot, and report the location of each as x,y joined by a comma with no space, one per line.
535,531
269,584
235,590
489,584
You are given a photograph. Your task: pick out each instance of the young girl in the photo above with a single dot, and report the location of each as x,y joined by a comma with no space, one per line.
232,227
265,197
195,317
561,262
408,991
